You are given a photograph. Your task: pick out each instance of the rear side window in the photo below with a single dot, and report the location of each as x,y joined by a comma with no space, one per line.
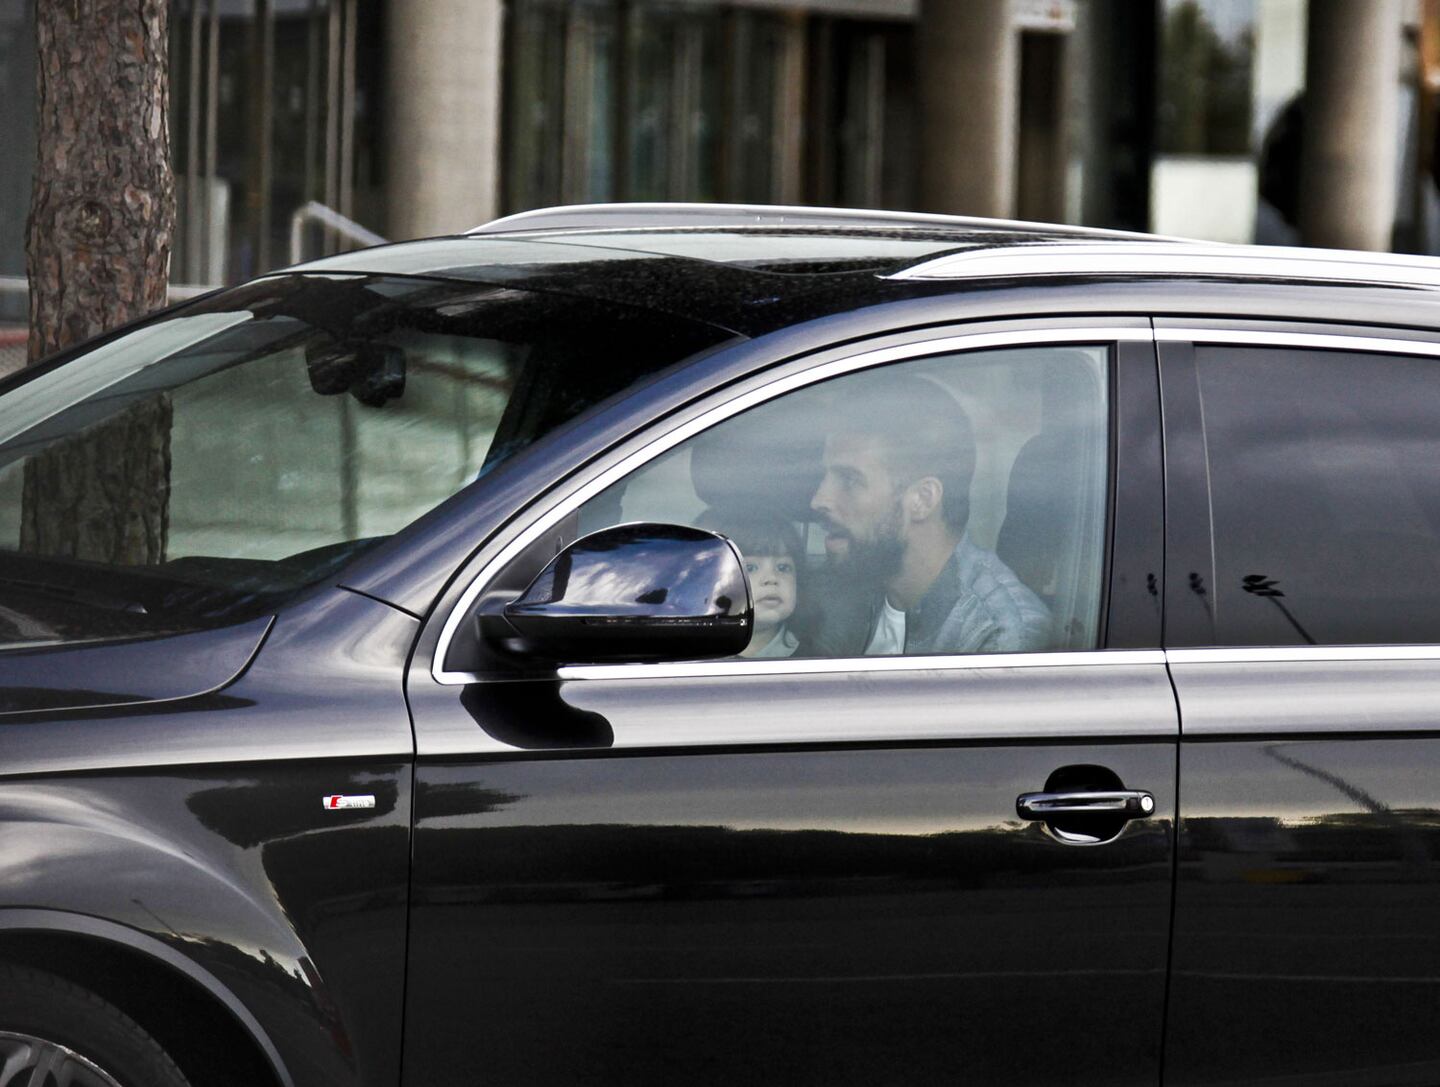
1324,471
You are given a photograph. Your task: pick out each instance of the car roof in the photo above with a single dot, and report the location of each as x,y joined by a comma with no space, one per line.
753,269
769,277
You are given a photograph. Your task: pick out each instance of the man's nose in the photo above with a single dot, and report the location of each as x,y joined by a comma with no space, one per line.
820,503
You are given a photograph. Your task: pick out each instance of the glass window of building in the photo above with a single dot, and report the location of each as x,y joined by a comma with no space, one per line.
1204,179
705,101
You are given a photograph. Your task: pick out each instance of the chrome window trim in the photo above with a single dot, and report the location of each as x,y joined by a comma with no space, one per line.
984,698
830,666
787,666
1117,704
1302,654
1097,334
1166,258
1323,340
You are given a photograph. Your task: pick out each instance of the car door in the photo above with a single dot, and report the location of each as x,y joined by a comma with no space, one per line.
813,867
1306,665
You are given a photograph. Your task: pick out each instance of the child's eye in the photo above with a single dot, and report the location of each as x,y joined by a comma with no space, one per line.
751,567
785,567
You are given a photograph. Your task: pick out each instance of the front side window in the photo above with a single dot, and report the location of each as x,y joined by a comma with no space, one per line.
944,505
211,463
1324,471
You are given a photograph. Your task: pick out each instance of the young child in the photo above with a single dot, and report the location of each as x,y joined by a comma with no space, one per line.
773,558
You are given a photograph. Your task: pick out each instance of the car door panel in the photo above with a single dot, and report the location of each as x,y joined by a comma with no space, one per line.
1305,907
799,870
1306,891
804,915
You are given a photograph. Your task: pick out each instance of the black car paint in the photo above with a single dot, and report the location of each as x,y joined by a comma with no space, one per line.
114,674
1307,896
211,808
789,916
294,917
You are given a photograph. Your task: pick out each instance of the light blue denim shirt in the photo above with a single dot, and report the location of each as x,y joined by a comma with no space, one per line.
977,604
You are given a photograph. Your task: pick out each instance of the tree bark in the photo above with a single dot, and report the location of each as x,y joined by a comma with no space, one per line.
104,494
103,208
102,215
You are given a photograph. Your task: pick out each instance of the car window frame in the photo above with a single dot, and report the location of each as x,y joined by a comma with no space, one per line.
656,437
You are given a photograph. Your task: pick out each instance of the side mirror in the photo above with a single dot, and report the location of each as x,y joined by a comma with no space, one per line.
640,592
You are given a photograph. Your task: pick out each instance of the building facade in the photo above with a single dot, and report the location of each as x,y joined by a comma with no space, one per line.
416,117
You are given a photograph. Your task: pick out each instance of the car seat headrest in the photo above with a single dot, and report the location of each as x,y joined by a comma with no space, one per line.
767,462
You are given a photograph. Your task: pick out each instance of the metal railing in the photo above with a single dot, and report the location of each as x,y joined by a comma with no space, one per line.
15,290
332,220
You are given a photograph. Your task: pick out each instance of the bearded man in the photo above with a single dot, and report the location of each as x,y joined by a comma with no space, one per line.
895,504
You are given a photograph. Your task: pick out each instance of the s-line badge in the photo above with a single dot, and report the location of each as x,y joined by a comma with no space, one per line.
339,800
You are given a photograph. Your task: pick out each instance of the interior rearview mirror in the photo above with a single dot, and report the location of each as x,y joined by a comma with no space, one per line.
639,592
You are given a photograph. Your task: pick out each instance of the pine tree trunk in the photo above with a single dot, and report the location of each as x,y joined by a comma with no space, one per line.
98,255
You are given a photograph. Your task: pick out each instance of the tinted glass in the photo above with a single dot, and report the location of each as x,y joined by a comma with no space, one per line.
207,465
944,505
1325,491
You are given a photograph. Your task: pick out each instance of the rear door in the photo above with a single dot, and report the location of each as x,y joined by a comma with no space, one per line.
1306,657
811,867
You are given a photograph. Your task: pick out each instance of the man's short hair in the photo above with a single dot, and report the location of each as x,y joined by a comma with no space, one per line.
923,431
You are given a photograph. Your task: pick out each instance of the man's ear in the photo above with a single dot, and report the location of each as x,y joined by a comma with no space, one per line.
923,499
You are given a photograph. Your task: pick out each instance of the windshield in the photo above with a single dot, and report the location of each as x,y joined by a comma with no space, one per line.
202,467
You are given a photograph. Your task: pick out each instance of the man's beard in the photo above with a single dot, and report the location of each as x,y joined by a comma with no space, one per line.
874,561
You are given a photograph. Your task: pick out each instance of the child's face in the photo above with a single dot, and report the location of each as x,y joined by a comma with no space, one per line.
772,583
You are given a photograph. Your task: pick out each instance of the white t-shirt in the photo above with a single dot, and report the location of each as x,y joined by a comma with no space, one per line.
889,636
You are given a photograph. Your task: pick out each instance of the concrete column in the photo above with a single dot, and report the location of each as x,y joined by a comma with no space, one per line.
443,121
1044,146
1352,95
969,61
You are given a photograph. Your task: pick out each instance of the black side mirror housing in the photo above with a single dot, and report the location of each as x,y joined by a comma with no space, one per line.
638,592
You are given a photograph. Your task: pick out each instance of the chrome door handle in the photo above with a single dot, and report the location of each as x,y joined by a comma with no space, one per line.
1128,803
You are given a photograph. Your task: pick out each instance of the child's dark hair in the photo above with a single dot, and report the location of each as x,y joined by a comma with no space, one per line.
756,533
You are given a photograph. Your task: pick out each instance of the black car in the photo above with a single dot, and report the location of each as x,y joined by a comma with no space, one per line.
664,644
